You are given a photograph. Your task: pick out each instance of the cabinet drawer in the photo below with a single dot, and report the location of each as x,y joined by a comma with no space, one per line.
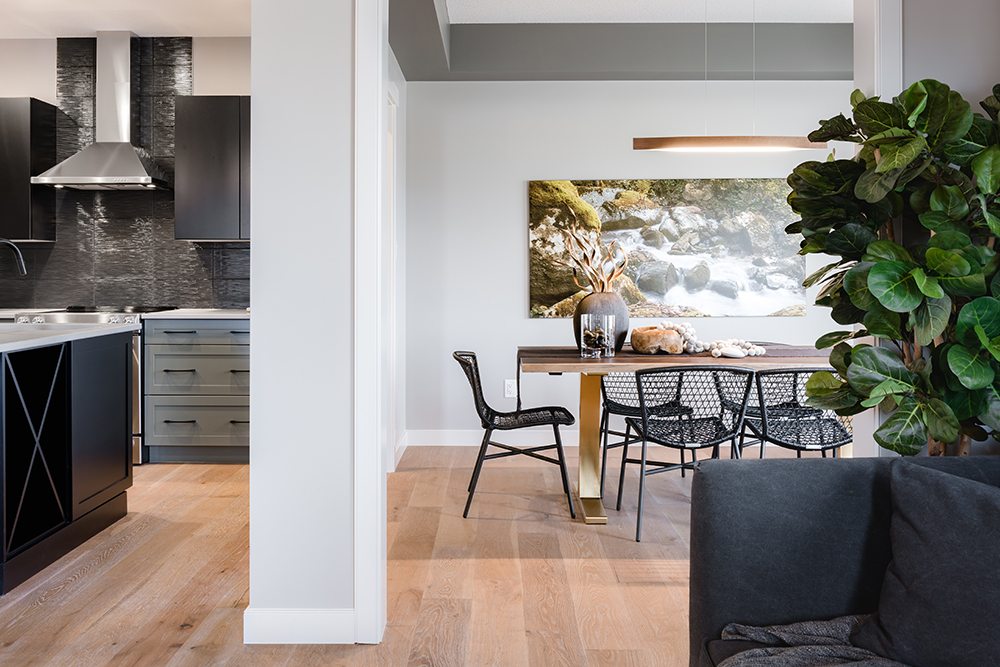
197,421
168,371
197,332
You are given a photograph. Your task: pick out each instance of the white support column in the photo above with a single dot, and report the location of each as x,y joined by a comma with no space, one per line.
317,480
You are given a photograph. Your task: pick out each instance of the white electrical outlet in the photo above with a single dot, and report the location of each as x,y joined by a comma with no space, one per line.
509,389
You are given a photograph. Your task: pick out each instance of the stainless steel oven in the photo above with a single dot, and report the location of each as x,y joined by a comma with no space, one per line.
108,315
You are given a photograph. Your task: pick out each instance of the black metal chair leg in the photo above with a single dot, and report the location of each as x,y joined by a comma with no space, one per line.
763,445
621,478
798,453
824,453
476,471
682,467
562,469
605,418
642,487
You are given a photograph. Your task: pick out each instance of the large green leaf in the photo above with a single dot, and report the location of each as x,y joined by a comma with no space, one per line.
928,286
840,357
843,399
886,250
873,186
942,425
947,263
823,382
845,312
932,220
980,135
894,287
984,311
871,366
887,389
883,323
972,370
834,337
904,432
986,167
995,286
964,403
874,117
949,241
949,200
856,285
850,241
945,118
972,285
900,155
930,319
990,410
837,128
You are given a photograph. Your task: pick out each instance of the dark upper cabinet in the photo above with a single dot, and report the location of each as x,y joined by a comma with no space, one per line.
212,168
27,148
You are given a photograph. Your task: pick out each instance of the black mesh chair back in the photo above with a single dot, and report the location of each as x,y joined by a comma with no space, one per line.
714,400
469,364
493,420
786,420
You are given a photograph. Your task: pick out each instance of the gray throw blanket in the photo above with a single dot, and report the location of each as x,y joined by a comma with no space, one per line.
806,644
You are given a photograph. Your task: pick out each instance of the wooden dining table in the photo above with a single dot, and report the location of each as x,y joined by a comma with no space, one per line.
559,360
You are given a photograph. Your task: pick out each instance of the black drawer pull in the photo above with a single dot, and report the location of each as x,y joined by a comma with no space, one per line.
239,421
179,370
240,332
238,370
180,421
180,332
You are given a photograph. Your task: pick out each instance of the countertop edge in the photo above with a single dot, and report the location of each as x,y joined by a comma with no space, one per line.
198,314
45,339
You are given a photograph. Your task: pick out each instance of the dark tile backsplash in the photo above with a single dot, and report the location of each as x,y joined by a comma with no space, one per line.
118,248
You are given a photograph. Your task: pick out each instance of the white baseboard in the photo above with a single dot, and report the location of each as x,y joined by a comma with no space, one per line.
474,437
298,626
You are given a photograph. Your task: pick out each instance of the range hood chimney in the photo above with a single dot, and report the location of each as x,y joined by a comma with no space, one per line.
112,162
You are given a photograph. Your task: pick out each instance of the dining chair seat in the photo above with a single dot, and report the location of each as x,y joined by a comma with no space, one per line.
545,416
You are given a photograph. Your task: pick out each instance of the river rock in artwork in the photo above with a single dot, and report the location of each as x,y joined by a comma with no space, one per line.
650,340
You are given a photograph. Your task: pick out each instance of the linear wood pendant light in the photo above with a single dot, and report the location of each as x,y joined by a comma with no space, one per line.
727,144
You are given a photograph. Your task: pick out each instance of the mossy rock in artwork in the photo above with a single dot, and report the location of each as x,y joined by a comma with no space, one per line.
544,196
798,310
565,308
663,310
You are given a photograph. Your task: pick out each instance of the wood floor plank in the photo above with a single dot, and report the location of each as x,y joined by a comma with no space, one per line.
498,631
441,636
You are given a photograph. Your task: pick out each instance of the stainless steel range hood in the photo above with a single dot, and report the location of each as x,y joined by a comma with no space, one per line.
111,162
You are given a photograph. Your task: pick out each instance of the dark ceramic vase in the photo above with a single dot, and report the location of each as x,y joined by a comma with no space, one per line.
604,303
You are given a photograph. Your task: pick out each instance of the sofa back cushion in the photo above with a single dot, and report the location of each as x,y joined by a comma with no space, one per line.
940,599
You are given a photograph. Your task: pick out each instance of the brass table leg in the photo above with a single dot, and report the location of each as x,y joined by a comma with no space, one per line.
590,449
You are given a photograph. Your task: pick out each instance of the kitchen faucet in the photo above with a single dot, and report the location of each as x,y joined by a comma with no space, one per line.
17,256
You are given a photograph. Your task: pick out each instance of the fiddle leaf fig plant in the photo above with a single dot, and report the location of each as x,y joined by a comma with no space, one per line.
911,223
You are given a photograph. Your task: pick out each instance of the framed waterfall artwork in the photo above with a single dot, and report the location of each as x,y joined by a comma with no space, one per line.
696,247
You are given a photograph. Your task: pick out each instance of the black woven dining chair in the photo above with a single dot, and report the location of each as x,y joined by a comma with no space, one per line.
620,396
717,397
777,413
493,420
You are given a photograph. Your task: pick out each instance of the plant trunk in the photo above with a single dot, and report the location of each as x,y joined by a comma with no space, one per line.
961,447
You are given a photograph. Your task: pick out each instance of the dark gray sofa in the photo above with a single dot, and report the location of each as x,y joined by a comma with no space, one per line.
785,540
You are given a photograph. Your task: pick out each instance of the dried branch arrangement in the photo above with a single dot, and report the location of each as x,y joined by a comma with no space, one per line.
600,264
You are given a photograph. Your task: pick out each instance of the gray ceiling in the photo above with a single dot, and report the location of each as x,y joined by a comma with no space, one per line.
429,49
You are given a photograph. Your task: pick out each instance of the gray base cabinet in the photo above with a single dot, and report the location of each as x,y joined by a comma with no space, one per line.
197,391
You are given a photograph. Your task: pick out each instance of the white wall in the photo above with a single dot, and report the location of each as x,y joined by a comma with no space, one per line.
28,68
472,149
953,42
220,65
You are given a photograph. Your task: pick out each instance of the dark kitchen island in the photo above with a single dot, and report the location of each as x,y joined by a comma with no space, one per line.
65,440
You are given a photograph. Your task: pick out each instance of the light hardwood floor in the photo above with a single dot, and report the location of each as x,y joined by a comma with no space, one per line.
516,584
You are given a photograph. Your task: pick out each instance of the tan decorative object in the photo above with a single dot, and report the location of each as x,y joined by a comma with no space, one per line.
650,340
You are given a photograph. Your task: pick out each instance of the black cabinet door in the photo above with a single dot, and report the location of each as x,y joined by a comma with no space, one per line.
245,167
207,168
27,148
101,420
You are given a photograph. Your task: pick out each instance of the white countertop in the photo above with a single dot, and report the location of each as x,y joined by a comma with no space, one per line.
16,337
198,314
